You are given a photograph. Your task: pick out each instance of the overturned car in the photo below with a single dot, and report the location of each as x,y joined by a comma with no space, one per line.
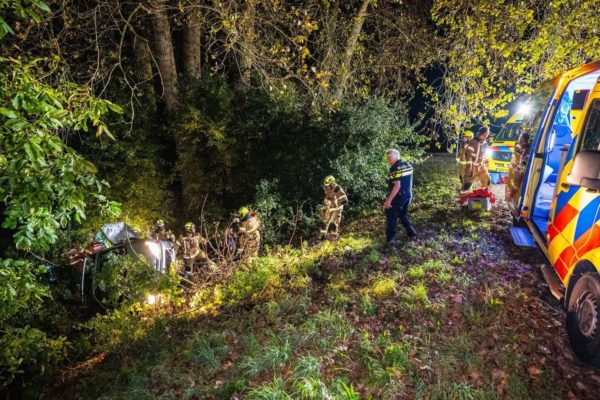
119,239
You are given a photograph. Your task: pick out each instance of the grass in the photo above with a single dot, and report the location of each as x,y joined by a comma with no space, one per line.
383,287
344,320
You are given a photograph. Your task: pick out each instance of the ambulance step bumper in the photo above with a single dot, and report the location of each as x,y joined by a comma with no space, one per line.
521,237
556,287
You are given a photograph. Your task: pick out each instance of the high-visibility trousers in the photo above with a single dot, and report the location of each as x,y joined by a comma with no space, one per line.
479,174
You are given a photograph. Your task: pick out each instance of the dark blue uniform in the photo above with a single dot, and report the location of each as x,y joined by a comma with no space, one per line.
403,172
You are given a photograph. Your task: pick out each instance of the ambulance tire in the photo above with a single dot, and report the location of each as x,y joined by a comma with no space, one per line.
583,318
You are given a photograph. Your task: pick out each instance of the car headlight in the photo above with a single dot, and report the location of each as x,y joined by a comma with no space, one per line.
154,248
152,299
488,153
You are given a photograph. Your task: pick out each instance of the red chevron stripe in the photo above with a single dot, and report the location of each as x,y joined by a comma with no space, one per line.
586,242
563,218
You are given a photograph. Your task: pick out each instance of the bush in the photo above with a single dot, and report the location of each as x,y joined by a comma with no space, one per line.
125,279
369,129
240,144
24,348
281,221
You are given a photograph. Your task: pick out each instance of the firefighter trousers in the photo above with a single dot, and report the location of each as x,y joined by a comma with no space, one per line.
479,174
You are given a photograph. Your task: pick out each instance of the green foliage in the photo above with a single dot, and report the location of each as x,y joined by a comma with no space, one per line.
24,347
369,129
279,152
417,294
20,287
44,184
497,50
416,272
367,305
138,172
274,390
29,349
262,281
125,279
25,9
383,287
281,220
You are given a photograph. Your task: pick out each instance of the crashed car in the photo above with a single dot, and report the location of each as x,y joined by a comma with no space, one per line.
120,238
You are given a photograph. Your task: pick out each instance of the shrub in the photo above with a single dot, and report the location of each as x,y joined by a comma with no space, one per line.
282,148
123,278
368,129
24,348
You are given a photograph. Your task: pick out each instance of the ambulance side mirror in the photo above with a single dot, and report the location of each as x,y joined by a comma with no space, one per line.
586,170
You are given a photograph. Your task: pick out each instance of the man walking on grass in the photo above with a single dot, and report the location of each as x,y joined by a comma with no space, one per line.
396,204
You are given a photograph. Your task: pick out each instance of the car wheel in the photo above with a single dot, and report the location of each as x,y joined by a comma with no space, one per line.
583,318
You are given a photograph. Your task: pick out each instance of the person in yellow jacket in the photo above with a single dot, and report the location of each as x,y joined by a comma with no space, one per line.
248,234
161,232
333,205
472,159
192,246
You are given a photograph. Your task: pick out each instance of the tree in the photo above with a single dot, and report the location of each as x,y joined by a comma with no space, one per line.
165,56
192,50
44,185
496,51
350,48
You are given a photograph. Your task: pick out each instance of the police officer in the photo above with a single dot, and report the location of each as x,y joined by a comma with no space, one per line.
192,244
161,232
333,205
396,204
248,234
474,168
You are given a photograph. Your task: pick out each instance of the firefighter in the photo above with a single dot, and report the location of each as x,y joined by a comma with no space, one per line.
248,234
518,164
467,135
192,248
332,207
161,232
474,169
400,195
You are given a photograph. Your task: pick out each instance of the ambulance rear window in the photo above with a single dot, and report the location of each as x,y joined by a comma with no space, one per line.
591,133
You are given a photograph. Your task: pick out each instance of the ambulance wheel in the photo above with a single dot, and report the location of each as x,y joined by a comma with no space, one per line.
583,318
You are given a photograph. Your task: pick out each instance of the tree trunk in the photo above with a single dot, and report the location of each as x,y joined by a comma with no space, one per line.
165,57
247,26
191,45
143,71
329,58
344,73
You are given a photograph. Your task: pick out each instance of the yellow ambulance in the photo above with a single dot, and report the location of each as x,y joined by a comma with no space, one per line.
553,190
499,153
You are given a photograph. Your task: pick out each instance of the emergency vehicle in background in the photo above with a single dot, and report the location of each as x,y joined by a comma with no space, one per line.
553,189
499,153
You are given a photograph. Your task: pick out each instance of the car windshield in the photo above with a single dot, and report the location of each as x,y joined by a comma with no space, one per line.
510,132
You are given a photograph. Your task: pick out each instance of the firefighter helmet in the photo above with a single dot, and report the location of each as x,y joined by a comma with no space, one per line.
243,211
329,180
189,226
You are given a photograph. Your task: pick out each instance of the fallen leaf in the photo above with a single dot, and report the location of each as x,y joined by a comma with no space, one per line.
534,371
